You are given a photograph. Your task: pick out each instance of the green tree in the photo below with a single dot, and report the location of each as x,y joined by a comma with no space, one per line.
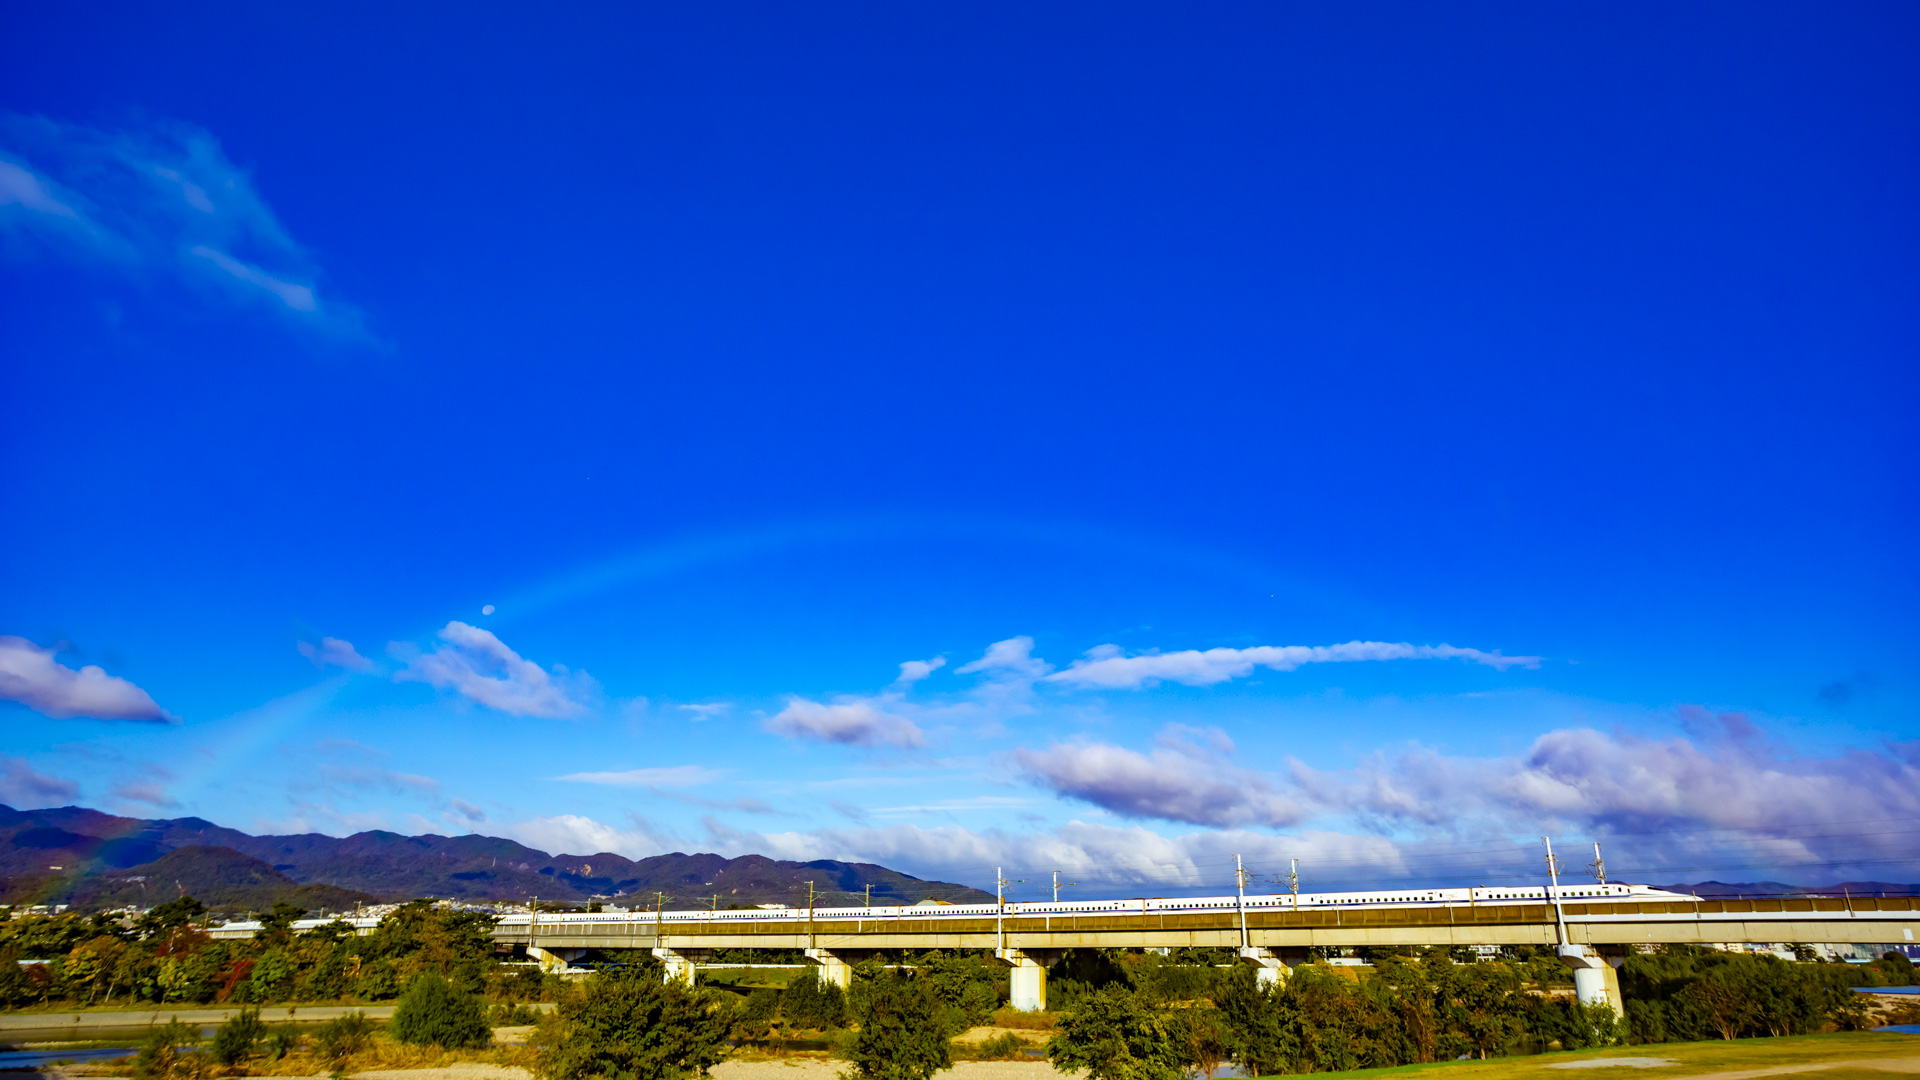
433,1011
1112,1035
631,1025
160,922
812,1002
900,1036
276,926
15,987
1257,1020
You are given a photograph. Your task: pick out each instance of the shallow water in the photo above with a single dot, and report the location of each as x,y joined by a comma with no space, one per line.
34,1059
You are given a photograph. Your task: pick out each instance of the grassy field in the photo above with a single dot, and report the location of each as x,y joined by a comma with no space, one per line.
744,979
1900,1052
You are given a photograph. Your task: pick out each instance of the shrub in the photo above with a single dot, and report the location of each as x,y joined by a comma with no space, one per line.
284,1040
239,1037
512,1015
161,1057
433,1012
754,1021
1001,1047
900,1036
632,1025
343,1035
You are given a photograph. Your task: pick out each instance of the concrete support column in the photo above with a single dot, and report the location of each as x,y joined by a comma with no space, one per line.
555,961
679,965
1594,980
1269,970
833,969
1029,979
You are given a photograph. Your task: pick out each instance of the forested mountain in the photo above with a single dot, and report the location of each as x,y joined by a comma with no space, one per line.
72,854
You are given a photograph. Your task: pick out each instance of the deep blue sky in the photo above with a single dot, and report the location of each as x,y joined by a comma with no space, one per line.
736,355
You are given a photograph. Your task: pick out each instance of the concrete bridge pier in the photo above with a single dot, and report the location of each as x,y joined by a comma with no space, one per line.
1595,982
555,960
679,965
833,968
1028,982
1269,970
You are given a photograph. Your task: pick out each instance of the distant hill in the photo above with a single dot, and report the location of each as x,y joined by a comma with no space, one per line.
74,855
1720,889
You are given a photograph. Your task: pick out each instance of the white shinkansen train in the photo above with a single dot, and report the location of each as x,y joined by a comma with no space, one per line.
1173,905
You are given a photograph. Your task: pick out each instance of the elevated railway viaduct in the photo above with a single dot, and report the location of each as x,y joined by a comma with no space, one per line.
1591,937
1592,931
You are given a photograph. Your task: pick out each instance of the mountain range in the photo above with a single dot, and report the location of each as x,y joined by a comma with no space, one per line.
83,857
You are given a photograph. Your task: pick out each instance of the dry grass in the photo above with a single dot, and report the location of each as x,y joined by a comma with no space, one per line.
1752,1057
1023,1021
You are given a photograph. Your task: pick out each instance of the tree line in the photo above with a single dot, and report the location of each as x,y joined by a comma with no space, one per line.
165,955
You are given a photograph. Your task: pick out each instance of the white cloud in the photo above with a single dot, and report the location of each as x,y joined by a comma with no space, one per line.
912,671
705,711
1108,667
24,788
480,666
854,723
30,675
334,652
1175,782
158,198
1106,860
1009,659
573,834
671,776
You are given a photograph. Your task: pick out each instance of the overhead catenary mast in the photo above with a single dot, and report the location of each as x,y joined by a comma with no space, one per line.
1553,890
1240,891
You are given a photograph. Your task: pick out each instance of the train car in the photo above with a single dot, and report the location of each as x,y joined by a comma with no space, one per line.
1169,905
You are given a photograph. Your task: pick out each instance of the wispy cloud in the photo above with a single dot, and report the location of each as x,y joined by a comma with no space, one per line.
1109,667
669,776
158,199
479,666
333,652
25,788
861,722
147,793
393,783
31,676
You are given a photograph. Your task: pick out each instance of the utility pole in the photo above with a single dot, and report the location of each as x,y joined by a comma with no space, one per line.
1293,881
1240,890
1553,889
1056,885
1598,867
869,894
999,910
